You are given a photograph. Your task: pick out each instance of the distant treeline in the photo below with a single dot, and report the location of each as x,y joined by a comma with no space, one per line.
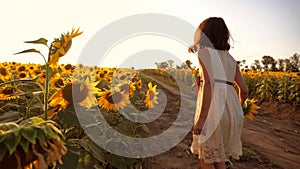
267,63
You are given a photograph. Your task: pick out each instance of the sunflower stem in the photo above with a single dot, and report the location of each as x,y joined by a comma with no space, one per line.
17,80
46,95
44,56
40,86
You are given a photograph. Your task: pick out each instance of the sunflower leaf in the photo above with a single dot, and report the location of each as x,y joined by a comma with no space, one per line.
11,142
39,41
8,126
12,105
28,51
29,133
144,128
3,151
10,116
50,132
55,129
41,137
24,144
36,120
2,137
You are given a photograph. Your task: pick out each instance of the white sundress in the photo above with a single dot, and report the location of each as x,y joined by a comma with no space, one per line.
221,135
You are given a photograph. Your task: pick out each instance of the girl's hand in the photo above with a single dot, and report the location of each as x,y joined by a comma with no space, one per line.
192,49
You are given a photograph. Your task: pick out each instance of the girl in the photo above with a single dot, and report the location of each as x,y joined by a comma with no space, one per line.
219,115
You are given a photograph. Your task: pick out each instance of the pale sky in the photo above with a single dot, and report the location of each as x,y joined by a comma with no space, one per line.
259,27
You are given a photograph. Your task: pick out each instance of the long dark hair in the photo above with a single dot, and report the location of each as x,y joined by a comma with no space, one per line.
216,34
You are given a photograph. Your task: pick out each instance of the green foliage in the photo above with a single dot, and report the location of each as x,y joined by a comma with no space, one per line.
276,86
291,64
29,51
266,88
42,41
30,131
283,88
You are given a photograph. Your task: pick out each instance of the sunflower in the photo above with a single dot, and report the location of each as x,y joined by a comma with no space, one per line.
13,65
75,92
249,116
127,88
104,74
53,111
32,68
23,75
35,73
108,79
60,46
250,108
21,68
42,76
67,39
56,81
100,75
9,92
82,73
5,74
123,75
113,99
151,95
67,69
53,60
90,100
138,83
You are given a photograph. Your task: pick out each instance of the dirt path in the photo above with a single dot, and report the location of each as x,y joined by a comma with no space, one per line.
268,142
276,140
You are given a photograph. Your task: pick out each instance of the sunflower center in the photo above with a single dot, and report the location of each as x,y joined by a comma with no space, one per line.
21,68
122,77
8,91
68,67
80,66
37,72
125,88
114,98
152,95
3,71
22,75
72,93
101,75
59,83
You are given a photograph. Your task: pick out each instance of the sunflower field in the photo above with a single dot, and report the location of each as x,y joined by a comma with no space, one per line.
38,124
39,105
266,85
274,86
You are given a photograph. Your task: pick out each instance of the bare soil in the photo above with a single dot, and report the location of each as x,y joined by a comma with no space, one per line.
271,140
